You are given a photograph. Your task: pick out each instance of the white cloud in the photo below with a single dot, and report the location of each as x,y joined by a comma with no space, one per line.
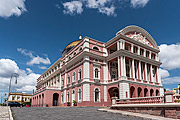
42,67
76,7
25,79
34,59
29,70
12,7
108,11
170,56
164,73
171,80
73,7
139,3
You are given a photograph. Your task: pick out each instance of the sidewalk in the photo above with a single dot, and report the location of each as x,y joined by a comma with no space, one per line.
144,116
5,113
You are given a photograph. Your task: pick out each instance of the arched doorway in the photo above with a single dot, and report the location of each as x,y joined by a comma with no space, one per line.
151,92
145,92
132,93
157,92
113,92
55,99
139,92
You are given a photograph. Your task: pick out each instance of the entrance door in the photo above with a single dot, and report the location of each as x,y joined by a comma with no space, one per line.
73,96
55,99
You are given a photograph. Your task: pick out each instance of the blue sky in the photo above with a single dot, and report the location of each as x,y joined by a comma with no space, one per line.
33,33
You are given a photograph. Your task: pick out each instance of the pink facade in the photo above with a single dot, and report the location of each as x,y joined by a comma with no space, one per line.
92,72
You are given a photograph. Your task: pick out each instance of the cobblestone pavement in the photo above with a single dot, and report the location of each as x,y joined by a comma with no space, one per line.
67,113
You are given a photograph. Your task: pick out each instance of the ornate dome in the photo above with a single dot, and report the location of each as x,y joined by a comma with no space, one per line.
70,46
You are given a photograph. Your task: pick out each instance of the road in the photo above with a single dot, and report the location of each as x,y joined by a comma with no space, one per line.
66,113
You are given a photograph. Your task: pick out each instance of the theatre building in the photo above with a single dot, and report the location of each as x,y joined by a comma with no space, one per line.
92,72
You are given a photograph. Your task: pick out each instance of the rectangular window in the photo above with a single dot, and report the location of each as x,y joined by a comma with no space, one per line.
141,52
62,82
135,49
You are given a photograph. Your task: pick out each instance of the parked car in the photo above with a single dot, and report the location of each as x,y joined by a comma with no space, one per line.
15,104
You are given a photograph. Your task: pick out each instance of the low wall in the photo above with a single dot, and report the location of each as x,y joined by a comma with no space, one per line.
170,110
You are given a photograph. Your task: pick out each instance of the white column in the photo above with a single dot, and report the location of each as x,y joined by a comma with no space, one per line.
146,72
133,71
65,79
151,73
132,47
144,52
118,67
140,70
149,54
118,48
121,46
122,71
124,64
138,50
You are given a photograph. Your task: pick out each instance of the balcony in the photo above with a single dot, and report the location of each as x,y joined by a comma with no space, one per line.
73,83
79,81
96,80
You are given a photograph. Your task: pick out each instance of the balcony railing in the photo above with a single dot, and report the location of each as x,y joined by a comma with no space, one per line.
141,100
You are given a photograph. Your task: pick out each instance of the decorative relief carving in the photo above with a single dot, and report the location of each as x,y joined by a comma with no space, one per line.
139,37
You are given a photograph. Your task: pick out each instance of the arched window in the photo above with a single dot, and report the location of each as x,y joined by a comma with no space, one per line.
80,49
80,74
132,94
145,92
95,48
96,73
74,53
69,57
74,77
151,92
97,95
68,97
68,79
79,95
139,92
157,92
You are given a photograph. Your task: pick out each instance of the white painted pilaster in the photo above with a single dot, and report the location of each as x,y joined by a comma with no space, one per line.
105,94
118,48
86,92
133,70
105,72
119,67
86,68
132,47
86,44
124,64
140,70
122,67
123,88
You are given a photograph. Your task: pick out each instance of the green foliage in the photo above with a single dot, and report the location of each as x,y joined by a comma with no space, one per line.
68,103
74,101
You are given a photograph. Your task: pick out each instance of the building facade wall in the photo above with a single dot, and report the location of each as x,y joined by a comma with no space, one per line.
126,62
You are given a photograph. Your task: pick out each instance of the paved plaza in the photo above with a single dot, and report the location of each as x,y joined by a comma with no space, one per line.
5,113
66,113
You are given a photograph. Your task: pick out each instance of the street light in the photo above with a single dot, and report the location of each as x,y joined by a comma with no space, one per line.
13,75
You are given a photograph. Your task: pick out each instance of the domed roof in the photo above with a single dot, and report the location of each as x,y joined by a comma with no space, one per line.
70,46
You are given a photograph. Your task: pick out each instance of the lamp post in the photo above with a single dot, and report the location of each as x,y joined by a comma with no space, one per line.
13,75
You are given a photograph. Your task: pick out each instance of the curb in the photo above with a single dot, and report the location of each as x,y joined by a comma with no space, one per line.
137,115
10,114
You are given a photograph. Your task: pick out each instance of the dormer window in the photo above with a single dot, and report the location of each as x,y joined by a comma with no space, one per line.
95,48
